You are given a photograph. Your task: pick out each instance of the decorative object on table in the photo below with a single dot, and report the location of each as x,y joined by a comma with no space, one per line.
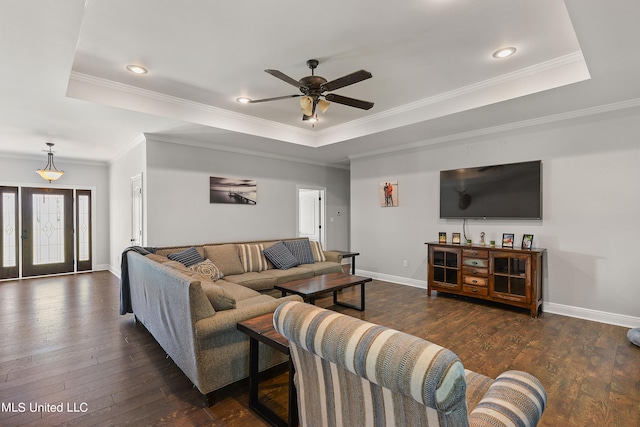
507,240
442,237
492,243
231,190
455,238
634,336
469,242
389,194
50,172
482,238
527,241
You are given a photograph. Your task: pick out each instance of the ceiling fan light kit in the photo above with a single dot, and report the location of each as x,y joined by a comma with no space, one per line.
312,91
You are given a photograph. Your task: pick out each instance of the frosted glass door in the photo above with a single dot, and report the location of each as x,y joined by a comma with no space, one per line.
9,261
47,237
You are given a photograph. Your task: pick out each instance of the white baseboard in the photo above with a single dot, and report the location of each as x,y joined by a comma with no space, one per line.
593,315
548,307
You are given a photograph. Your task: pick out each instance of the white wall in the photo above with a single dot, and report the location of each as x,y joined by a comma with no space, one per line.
22,172
121,170
591,210
179,211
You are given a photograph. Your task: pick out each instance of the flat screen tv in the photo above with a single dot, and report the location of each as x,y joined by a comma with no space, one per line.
511,191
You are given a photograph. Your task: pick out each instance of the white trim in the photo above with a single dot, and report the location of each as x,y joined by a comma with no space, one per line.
547,307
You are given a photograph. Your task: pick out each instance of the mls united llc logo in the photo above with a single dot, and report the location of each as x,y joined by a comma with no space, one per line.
21,407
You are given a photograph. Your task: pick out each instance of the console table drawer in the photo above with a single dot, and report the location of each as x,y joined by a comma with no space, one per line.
476,262
475,290
476,253
476,281
475,271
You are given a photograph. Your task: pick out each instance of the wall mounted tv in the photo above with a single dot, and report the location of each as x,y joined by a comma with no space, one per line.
510,191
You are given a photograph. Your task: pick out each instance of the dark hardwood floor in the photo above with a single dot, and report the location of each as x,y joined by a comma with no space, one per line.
62,340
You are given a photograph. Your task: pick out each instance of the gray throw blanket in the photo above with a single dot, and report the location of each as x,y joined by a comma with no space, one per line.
125,294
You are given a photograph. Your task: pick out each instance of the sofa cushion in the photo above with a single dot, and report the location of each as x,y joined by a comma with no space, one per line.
209,269
280,256
188,257
295,273
253,280
252,258
218,297
325,267
316,250
225,257
301,249
237,292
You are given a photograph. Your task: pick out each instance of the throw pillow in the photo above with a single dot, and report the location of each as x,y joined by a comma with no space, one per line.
301,249
280,256
225,257
188,257
209,269
253,260
318,253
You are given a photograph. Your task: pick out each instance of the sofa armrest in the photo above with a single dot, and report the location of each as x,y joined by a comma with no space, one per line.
333,256
222,321
515,398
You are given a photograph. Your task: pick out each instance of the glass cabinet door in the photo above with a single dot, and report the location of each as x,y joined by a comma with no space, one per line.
445,269
510,275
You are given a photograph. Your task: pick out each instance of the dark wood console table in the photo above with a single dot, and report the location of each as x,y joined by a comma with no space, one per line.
506,275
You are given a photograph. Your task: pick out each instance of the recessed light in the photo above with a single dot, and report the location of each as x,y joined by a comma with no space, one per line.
504,52
243,100
137,69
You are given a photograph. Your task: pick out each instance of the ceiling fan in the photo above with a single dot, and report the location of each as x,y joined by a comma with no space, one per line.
313,90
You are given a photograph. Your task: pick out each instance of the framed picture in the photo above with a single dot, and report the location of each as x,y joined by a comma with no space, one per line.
455,238
442,237
527,241
507,240
388,194
232,190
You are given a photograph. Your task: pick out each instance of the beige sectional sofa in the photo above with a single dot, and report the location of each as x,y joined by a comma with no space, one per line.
193,314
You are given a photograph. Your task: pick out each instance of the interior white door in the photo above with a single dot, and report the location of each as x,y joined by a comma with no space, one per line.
137,236
310,213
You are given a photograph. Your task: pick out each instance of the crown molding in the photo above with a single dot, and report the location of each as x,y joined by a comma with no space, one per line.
236,150
602,109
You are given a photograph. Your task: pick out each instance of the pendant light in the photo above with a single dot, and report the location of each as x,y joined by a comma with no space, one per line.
50,172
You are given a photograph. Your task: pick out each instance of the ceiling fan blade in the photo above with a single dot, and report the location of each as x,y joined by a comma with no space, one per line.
351,102
347,80
254,101
282,76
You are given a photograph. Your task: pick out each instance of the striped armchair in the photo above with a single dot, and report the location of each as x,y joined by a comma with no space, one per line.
353,373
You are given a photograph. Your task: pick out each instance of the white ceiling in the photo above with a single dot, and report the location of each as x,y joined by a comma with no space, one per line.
63,77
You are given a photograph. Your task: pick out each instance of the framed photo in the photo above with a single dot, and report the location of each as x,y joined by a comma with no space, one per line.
388,191
455,238
232,190
527,241
442,237
507,240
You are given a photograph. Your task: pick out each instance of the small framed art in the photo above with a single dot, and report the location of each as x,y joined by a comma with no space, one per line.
507,240
527,241
455,238
442,237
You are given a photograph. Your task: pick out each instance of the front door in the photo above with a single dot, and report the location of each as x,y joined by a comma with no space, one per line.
47,231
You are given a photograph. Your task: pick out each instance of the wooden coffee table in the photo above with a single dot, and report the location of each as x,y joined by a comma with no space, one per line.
311,288
260,329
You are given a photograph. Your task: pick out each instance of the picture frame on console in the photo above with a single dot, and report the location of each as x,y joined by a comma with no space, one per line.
455,238
527,241
507,240
442,237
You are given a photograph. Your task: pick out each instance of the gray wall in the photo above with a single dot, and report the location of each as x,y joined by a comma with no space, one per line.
22,172
121,170
179,211
591,206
